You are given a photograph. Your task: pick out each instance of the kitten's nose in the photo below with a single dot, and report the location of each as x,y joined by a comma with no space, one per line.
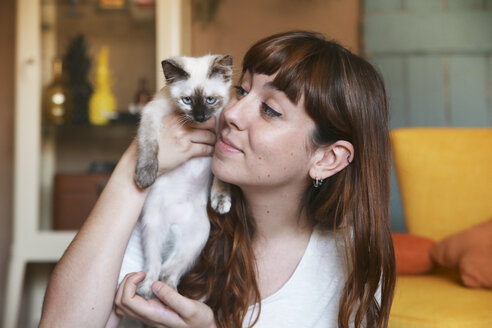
201,118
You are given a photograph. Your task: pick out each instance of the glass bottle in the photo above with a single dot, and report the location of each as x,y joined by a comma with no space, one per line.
57,97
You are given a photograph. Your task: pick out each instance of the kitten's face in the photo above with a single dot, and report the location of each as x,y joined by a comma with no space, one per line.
199,86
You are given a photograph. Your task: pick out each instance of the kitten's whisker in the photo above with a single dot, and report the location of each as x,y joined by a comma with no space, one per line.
181,123
183,120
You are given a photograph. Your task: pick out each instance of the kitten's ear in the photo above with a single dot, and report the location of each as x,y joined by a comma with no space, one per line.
222,66
173,71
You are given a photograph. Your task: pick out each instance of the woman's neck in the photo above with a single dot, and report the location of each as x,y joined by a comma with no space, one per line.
277,214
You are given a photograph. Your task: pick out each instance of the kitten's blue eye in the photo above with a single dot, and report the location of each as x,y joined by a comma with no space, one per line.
186,100
240,92
210,100
269,111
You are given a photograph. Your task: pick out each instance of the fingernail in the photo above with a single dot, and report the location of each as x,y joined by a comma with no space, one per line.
157,286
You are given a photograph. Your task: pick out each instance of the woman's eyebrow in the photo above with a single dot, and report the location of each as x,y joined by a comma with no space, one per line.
243,75
271,85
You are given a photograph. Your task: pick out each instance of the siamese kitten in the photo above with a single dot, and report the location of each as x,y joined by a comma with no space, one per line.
174,226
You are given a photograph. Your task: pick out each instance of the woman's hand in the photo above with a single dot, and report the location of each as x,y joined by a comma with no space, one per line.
172,311
180,141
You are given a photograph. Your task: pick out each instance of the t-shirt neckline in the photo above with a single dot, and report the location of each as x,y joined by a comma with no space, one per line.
290,281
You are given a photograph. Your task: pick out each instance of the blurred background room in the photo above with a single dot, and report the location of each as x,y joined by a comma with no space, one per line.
74,75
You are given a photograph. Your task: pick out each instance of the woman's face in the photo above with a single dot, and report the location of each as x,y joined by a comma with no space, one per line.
264,139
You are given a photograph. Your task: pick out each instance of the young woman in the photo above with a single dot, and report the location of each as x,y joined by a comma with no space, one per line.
307,243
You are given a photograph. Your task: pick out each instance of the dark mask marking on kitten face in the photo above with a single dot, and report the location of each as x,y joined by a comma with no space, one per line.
199,108
222,66
216,105
173,71
201,111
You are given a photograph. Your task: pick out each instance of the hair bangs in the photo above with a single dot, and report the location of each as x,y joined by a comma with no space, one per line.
293,63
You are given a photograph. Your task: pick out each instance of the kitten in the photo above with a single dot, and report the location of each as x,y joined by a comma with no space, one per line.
174,225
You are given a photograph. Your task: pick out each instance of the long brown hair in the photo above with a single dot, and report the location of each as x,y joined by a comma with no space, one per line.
345,97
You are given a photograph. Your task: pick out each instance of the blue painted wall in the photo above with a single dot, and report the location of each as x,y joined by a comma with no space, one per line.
436,59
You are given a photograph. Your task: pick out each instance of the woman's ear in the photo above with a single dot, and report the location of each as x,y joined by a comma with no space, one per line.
328,161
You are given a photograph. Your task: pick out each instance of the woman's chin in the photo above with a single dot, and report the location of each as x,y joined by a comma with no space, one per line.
219,169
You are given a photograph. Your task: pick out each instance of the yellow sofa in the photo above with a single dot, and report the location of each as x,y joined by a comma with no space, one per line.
445,181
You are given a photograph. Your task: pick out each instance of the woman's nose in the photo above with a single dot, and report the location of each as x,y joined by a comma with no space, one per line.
236,113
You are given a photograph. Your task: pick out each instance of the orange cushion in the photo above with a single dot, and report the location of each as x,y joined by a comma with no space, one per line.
476,267
412,253
449,251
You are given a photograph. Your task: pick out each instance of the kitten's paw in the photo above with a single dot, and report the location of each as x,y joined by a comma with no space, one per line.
144,289
221,203
146,175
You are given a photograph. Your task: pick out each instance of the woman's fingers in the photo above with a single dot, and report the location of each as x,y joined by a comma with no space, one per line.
202,136
129,292
119,293
201,150
181,140
152,312
182,305
191,313
170,309
202,143
126,292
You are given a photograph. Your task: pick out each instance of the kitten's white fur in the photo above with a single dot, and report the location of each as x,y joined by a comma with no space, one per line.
174,225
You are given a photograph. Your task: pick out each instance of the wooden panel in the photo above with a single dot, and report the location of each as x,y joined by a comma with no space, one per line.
468,75
403,32
394,73
378,5
423,5
239,24
75,196
439,43
465,4
426,91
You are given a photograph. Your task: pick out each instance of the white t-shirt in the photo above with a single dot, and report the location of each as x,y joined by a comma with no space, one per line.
310,298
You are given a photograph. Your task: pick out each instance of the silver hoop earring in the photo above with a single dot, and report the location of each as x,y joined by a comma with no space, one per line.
317,182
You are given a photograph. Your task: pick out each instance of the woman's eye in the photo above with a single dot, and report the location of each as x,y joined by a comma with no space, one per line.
240,92
210,100
186,100
269,111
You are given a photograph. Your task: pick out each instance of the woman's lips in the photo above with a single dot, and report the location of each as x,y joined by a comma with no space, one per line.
227,146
